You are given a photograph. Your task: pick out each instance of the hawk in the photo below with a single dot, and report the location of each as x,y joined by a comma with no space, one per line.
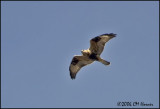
90,55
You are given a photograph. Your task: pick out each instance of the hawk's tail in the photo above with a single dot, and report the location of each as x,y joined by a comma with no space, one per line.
105,62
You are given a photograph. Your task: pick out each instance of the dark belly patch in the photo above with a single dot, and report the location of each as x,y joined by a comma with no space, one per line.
93,56
74,61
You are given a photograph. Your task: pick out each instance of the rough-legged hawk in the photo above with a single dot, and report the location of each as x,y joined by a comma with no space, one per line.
90,55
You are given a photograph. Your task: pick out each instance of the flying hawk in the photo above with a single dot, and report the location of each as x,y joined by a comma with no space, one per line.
90,55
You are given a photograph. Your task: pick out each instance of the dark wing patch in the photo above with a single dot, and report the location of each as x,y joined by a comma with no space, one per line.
77,63
97,44
96,39
74,61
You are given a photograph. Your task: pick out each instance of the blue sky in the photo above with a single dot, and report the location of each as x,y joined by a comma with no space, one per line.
39,39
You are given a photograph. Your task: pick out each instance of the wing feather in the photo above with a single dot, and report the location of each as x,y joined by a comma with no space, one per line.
77,63
97,43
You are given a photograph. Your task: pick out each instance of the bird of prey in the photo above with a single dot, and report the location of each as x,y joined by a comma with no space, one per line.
91,54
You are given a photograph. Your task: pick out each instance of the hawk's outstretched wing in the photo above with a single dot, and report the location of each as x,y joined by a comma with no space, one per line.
77,63
97,44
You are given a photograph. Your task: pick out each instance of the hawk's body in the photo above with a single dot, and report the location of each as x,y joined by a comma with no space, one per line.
90,55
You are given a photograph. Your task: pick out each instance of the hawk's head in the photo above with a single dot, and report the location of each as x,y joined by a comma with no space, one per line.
86,52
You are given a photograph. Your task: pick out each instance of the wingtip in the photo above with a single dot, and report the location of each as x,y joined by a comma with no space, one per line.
110,34
73,76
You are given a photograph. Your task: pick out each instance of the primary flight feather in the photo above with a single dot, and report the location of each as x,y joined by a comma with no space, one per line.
90,55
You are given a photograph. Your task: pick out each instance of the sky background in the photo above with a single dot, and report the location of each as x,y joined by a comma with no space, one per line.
40,38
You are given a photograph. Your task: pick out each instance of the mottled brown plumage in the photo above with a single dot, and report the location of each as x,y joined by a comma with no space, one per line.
90,55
